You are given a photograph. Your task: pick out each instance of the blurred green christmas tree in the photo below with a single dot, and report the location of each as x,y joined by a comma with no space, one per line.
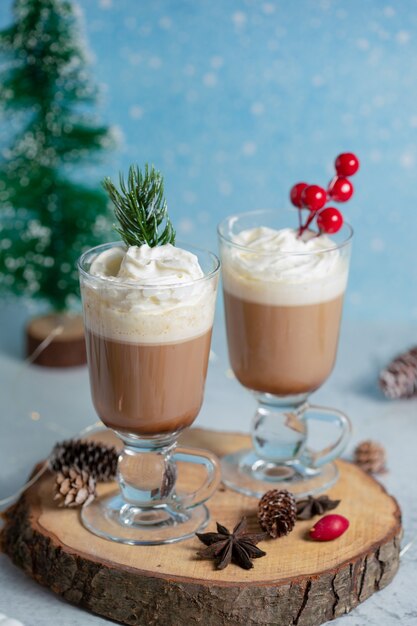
47,217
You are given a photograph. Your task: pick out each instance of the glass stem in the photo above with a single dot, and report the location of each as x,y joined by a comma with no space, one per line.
146,470
278,429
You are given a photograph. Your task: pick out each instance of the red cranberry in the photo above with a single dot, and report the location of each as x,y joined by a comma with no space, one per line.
329,527
330,220
314,197
295,194
340,189
346,164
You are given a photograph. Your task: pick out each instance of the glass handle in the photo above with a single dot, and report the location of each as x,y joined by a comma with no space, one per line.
331,416
212,466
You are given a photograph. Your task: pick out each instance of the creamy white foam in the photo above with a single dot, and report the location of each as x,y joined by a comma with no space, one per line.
277,267
148,295
161,265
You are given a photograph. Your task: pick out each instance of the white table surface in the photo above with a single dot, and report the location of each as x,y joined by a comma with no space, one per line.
62,400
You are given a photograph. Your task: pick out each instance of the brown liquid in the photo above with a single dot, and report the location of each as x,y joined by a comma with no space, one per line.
147,389
283,350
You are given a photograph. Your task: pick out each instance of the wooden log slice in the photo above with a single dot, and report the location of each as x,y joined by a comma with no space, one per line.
56,340
298,583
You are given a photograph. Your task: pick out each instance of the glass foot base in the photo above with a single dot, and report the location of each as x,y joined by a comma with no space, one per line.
247,473
113,518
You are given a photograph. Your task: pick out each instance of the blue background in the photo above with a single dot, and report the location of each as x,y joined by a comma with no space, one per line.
235,100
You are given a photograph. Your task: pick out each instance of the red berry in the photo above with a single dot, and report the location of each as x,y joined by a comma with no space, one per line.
346,164
295,194
329,527
330,220
314,197
340,189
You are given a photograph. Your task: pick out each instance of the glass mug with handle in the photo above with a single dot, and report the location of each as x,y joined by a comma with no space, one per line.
283,305
148,348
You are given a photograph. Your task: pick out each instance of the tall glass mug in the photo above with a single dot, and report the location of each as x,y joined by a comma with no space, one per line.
148,348
283,312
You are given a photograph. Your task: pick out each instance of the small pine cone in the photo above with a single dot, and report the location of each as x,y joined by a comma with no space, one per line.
399,378
371,457
74,487
277,512
99,460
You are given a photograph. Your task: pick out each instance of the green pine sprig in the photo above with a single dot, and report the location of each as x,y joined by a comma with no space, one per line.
140,208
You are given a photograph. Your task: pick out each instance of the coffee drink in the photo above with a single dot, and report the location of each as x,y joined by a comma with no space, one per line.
283,350
282,310
147,389
148,317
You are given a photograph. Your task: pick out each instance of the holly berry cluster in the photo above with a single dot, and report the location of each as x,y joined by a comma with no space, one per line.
314,198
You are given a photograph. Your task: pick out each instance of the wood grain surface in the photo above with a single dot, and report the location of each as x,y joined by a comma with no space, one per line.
298,583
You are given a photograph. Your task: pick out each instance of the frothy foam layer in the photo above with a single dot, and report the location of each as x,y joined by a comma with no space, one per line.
148,295
276,267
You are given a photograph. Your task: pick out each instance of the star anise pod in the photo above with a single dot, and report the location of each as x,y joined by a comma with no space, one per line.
308,508
238,546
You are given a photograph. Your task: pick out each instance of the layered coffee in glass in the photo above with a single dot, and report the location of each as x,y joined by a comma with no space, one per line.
283,299
148,315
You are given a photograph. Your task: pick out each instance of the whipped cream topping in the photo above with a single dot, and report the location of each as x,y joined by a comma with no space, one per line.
278,267
161,265
149,295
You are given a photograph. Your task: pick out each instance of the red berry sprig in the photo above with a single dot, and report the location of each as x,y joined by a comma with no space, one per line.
314,198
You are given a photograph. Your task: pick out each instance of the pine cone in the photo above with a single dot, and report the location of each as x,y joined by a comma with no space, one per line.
98,460
277,512
371,457
74,487
399,378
